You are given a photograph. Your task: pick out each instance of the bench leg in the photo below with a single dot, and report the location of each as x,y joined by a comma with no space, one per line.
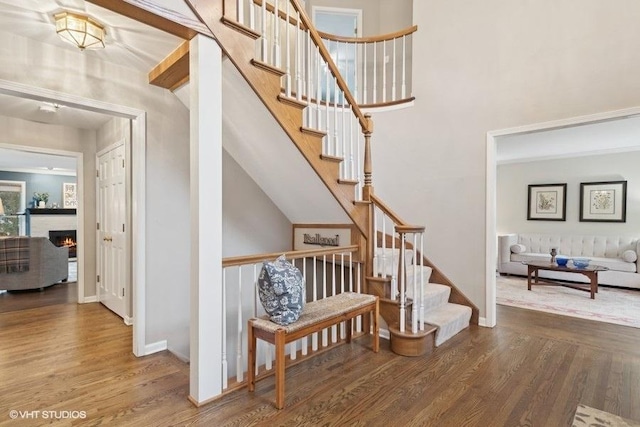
251,369
280,343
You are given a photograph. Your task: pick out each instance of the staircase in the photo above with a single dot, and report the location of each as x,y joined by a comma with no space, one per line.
279,53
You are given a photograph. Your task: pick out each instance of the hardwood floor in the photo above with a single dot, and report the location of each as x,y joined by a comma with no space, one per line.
531,370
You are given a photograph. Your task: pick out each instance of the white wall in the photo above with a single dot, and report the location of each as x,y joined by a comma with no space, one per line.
512,190
482,66
167,191
251,222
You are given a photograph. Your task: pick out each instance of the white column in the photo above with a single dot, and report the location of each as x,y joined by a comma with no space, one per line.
205,62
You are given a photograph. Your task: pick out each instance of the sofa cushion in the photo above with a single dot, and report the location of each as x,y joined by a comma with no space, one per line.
629,256
518,248
281,291
578,246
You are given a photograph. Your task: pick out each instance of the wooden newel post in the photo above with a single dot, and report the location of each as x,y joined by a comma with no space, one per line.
367,190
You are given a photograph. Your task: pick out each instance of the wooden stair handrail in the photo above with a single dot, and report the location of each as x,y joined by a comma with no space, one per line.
387,210
371,39
253,259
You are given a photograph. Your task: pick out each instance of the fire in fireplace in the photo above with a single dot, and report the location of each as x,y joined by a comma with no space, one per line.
64,238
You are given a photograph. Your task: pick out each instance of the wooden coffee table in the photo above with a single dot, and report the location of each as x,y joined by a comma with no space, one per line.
533,267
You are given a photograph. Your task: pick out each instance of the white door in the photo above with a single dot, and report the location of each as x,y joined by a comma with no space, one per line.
339,22
112,241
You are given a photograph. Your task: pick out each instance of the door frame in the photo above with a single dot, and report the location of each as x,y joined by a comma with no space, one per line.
491,245
339,11
128,316
138,183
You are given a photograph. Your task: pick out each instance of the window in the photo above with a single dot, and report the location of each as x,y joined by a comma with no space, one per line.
12,194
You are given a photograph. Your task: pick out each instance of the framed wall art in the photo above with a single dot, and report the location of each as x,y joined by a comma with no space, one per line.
69,195
603,201
547,202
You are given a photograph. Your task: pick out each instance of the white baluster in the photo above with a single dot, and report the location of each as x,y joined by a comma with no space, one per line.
384,246
256,296
352,170
314,338
325,333
239,363
358,290
414,308
345,161
225,373
240,8
376,259
252,15
264,42
287,84
334,329
394,269
404,67
318,95
305,343
355,72
403,302
384,71
327,77
422,283
375,72
276,35
298,58
309,82
343,330
393,78
336,143
364,75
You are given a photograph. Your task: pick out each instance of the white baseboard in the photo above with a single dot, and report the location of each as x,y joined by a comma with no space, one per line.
384,333
482,321
90,299
128,320
155,347
180,356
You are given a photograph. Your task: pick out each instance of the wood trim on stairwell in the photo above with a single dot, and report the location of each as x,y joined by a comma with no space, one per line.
240,50
173,71
154,16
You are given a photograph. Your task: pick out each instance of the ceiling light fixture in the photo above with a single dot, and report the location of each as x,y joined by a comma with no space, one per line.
79,30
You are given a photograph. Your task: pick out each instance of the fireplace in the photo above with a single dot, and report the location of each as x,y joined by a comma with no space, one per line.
64,238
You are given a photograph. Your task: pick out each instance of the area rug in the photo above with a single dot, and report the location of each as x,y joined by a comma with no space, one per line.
612,305
587,416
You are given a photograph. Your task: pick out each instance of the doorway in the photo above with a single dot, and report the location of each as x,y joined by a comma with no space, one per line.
137,152
344,23
491,189
112,230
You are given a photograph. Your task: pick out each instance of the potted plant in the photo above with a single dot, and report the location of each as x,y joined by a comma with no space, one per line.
40,199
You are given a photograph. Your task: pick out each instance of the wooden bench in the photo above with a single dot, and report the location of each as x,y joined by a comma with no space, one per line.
315,317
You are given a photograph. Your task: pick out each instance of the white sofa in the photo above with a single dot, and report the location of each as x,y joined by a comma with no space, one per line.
619,254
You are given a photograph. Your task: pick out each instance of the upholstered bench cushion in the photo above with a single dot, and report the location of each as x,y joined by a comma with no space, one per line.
317,311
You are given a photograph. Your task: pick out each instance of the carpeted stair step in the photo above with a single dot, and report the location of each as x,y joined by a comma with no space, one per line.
449,318
434,295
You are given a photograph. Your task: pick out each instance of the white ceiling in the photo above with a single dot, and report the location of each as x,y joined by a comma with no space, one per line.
613,136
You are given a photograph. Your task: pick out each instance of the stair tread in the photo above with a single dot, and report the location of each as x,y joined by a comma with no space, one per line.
240,28
450,319
329,158
268,67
